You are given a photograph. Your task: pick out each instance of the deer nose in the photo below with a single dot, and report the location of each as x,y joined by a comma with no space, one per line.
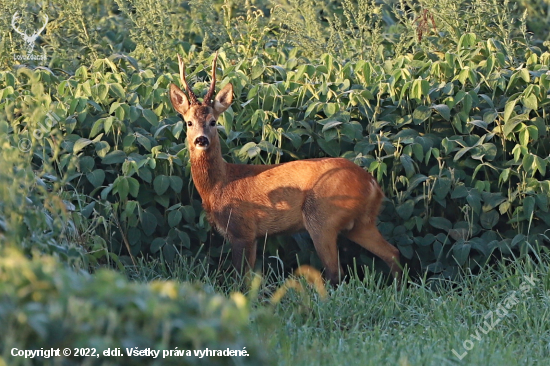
202,141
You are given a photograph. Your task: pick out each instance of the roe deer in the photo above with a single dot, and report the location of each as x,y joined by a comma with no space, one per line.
324,196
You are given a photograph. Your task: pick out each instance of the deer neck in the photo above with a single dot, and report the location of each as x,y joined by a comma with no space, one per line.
209,172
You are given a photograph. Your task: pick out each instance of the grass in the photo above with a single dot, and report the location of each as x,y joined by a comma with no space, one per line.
367,322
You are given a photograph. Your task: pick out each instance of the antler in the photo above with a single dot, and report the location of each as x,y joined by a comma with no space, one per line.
45,23
24,34
192,95
13,20
210,94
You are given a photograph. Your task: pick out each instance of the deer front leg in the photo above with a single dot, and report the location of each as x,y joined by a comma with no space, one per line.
243,255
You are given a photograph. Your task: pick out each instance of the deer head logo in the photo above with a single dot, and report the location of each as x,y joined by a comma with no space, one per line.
29,40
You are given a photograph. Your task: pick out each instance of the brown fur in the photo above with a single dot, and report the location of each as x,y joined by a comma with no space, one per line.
324,196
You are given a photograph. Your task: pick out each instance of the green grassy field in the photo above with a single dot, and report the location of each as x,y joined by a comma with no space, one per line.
103,240
498,316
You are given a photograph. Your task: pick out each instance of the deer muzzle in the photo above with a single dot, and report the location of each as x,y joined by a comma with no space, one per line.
202,142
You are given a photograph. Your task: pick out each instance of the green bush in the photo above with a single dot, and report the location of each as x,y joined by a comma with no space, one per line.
44,305
454,127
31,215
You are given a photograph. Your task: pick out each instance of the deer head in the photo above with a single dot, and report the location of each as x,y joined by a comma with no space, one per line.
200,118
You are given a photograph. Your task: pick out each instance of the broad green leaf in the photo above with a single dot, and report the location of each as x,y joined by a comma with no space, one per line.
185,240
461,252
144,141
332,148
133,185
250,150
177,129
405,209
188,214
421,114
161,184
130,207
81,144
416,180
516,240
311,107
151,117
467,40
86,164
528,206
531,102
176,183
96,177
408,164
169,252
128,141
524,74
117,91
424,241
443,110
331,108
134,236
491,200
489,219
540,165
504,207
542,201
257,71
418,151
105,191
511,124
440,223
121,187
508,109
157,244
163,200
474,200
88,209
148,222
174,218
145,174
461,152
406,250
436,267
134,113
331,125
528,162
114,157
102,148
97,127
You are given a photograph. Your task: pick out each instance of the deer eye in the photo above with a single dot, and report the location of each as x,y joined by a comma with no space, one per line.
213,123
189,123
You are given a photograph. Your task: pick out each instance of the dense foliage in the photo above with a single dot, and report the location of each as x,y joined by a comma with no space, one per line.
451,118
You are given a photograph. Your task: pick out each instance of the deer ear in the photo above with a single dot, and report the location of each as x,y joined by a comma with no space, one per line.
223,99
179,99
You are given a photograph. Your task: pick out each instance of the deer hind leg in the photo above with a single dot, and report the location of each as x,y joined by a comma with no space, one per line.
368,236
324,236
325,245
